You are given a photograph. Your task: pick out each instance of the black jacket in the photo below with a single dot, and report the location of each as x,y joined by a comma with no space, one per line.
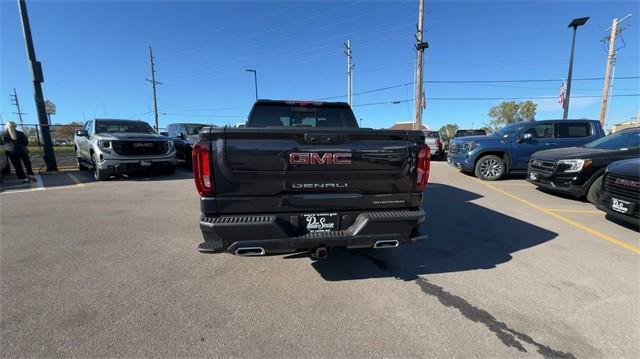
18,145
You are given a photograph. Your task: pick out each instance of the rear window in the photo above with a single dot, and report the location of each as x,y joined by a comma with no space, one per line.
303,116
568,130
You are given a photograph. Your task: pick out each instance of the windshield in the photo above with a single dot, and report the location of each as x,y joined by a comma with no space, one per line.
110,126
464,133
617,141
193,129
510,130
431,134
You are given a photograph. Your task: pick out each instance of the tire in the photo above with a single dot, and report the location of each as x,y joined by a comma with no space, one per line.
81,165
98,174
490,168
593,195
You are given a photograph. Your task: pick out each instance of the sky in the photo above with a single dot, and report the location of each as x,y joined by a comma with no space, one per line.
95,57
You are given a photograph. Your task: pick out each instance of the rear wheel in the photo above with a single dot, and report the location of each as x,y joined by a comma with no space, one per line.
593,195
489,168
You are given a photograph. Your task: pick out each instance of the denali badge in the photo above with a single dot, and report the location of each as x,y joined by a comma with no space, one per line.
314,158
318,185
627,183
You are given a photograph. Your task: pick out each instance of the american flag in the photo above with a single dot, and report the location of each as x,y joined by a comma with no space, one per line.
563,92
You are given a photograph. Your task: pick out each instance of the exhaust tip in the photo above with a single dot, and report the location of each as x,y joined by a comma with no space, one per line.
386,244
250,251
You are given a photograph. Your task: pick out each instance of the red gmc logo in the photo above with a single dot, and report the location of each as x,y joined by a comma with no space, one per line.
628,183
314,158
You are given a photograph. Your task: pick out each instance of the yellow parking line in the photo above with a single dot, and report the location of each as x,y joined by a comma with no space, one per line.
589,230
585,211
515,184
75,179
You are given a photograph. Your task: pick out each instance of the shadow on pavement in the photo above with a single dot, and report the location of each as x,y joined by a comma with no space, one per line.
462,236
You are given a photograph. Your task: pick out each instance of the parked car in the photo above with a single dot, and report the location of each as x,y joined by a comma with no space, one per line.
432,139
578,171
466,133
111,146
184,136
303,176
509,149
620,191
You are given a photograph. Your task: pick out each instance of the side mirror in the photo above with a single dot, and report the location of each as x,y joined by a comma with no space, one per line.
82,133
164,133
524,137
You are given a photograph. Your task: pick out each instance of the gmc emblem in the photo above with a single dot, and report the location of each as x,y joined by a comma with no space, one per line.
314,158
627,183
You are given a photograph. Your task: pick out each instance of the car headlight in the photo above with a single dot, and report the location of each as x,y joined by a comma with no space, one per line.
105,146
573,165
470,146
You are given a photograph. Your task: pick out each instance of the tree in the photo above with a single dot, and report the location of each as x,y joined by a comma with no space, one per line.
509,112
67,131
448,131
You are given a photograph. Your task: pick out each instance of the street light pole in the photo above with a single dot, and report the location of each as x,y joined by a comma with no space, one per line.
574,24
255,81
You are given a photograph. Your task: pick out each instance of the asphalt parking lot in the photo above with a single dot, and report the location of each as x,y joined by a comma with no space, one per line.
110,269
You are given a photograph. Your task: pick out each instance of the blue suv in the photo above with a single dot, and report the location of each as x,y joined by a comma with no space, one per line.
510,148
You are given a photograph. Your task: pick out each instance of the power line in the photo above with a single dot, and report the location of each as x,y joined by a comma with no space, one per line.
469,82
395,102
520,81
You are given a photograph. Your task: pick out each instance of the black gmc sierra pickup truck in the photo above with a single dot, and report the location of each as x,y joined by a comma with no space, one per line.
301,176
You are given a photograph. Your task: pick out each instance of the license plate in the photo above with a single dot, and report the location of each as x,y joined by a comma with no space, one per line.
145,163
621,206
321,222
533,176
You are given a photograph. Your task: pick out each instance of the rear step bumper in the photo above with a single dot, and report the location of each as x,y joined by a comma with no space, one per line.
275,233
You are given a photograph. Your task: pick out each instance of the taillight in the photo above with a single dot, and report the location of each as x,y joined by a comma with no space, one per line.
423,166
202,170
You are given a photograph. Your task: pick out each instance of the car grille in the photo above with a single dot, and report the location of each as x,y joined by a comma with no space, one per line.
542,166
140,148
613,185
455,148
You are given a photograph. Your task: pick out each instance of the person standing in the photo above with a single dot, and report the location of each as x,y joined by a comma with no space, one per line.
15,144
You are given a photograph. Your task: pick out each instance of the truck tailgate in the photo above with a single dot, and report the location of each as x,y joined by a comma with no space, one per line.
311,167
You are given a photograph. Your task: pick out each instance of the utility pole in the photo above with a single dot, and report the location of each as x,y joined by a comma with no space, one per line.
420,46
16,103
153,86
38,79
347,52
611,63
